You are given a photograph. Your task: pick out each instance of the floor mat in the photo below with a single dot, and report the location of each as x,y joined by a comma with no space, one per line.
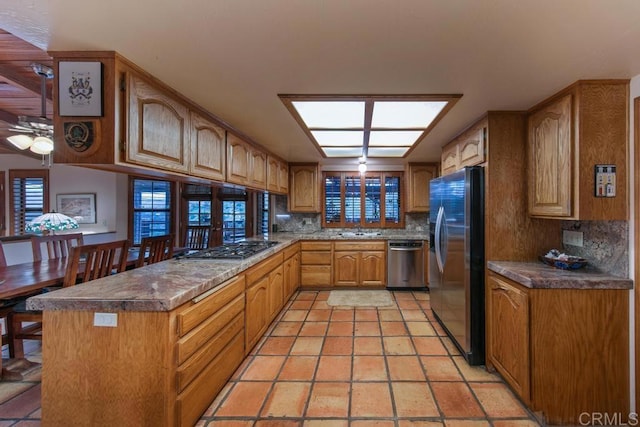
360,298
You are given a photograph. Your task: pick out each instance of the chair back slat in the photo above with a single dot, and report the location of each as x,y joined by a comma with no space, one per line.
198,236
58,245
155,249
90,262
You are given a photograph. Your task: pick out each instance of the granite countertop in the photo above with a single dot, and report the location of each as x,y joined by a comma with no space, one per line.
537,275
166,285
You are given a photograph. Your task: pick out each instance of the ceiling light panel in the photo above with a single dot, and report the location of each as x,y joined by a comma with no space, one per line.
342,151
387,151
331,114
405,114
338,138
393,138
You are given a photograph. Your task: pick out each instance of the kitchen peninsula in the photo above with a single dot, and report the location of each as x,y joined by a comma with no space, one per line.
154,345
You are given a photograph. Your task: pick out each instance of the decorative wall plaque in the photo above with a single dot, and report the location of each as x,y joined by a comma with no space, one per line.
79,136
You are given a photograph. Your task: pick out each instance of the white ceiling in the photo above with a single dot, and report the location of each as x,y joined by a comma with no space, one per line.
233,57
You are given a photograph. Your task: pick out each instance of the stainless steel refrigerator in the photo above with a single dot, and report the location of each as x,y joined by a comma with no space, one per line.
456,258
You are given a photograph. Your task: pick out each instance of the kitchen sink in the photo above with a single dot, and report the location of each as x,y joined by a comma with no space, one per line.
360,233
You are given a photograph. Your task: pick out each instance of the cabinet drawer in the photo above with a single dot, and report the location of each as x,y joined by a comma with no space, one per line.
197,397
315,258
291,251
198,337
196,313
315,246
314,275
360,246
262,269
195,364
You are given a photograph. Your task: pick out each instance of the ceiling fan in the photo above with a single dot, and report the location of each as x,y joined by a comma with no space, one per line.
35,133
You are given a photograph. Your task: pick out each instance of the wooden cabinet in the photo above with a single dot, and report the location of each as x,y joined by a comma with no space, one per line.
277,176
258,169
467,149
170,365
265,289
238,160
316,264
208,149
346,265
157,127
580,127
246,165
508,340
418,177
291,270
358,263
304,188
553,345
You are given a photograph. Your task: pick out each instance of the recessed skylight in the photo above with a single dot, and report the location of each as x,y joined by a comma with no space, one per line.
367,125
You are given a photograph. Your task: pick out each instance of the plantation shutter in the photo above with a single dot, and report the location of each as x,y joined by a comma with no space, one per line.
29,197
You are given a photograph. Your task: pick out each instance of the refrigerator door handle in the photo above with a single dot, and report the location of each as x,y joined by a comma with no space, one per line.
438,237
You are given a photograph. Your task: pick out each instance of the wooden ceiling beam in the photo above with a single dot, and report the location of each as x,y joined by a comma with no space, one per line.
8,117
29,84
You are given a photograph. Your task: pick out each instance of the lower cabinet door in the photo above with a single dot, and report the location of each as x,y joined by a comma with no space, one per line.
508,312
256,312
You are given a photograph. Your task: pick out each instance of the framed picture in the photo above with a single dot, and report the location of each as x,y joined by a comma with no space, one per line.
81,207
80,88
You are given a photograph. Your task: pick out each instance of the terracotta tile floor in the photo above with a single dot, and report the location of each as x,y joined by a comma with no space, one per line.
322,366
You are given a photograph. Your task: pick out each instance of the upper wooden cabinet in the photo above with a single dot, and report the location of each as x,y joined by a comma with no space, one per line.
418,177
304,188
246,164
277,176
569,134
146,127
207,149
238,160
467,149
157,127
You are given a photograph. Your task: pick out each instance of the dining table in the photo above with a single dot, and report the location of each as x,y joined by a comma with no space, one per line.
26,279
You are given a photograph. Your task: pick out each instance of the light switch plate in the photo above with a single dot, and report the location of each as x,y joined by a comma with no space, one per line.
573,238
109,320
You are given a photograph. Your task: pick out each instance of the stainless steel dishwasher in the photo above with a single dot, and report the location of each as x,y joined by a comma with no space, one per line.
405,264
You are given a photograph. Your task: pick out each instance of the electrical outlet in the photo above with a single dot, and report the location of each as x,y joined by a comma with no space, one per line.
109,320
572,238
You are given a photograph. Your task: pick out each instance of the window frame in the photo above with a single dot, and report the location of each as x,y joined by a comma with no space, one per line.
383,223
22,174
131,209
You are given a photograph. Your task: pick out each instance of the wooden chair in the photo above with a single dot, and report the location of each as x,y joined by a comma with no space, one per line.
198,236
86,262
58,245
5,306
155,249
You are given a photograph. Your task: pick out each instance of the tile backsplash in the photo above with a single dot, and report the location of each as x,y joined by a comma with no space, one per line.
605,245
310,222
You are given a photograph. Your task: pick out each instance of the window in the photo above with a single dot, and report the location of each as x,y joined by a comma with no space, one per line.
198,204
362,200
152,213
263,213
28,198
234,220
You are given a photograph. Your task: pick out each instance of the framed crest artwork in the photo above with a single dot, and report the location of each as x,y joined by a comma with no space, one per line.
80,89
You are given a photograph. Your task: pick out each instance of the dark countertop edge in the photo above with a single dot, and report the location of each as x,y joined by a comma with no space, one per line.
547,277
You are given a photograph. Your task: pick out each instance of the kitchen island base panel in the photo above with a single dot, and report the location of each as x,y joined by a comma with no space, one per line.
99,376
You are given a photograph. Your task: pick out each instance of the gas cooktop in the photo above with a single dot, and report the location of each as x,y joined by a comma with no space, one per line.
239,250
